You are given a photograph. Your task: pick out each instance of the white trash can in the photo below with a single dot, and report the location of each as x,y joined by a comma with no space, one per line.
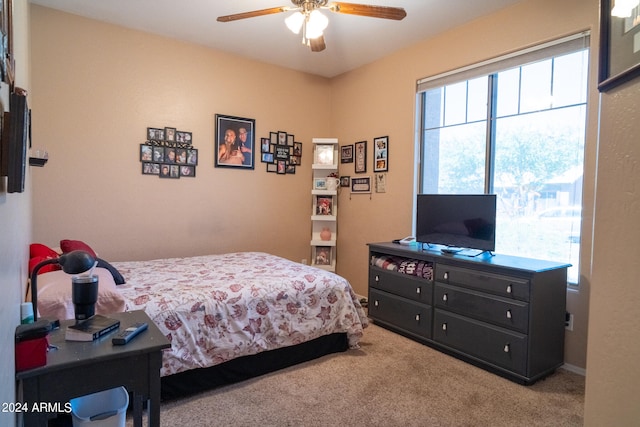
103,409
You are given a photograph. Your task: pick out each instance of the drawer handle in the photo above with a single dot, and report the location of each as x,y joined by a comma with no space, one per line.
445,297
377,278
376,303
508,314
418,290
444,326
507,348
417,317
509,289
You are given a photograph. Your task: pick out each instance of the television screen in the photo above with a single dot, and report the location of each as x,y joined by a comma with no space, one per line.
457,220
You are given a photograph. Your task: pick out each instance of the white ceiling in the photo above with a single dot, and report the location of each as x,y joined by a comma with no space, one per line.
351,41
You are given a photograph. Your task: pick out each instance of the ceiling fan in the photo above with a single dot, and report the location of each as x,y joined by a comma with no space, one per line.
307,17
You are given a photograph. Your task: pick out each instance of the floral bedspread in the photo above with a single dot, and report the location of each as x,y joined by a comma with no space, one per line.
219,307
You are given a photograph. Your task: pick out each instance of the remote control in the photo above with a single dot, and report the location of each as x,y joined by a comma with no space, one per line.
128,334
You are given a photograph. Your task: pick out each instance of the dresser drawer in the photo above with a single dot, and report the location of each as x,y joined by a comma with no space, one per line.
509,287
400,312
414,288
492,344
509,313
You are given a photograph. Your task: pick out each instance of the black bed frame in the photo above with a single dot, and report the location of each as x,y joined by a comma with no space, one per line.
195,381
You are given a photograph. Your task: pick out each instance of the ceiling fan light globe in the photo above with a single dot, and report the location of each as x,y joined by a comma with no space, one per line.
294,22
318,20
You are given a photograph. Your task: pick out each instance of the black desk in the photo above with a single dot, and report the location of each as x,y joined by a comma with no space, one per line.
79,368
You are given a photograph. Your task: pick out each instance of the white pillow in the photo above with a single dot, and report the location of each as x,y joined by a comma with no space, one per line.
54,295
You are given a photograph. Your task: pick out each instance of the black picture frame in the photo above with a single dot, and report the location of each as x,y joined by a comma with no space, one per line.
346,153
183,137
170,134
381,154
360,157
155,134
618,63
230,150
361,185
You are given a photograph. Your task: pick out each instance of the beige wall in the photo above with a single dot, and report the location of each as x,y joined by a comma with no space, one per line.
97,88
613,376
361,113
15,230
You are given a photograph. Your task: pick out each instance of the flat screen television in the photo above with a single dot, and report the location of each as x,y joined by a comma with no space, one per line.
457,220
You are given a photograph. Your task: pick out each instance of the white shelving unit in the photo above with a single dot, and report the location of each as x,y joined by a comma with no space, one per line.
324,213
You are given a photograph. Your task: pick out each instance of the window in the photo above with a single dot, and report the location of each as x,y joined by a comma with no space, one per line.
514,127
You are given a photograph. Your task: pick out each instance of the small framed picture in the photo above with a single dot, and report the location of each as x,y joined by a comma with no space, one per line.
381,154
361,184
282,138
297,149
345,181
323,155
158,154
170,134
165,171
273,136
155,134
290,139
360,156
150,168
146,153
181,156
324,205
282,166
265,146
187,171
322,255
169,155
183,137
320,184
192,156
272,167
267,157
282,152
346,154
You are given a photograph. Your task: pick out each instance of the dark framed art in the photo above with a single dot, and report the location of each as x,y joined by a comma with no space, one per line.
360,149
170,134
281,152
619,60
322,255
381,154
346,154
182,137
155,134
235,142
168,153
361,185
345,181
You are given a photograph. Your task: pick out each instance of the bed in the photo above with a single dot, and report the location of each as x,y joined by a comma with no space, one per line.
232,316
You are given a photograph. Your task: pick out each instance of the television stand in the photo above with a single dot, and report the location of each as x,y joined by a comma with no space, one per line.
502,313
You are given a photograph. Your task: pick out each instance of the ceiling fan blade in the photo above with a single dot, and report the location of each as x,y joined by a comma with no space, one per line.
252,14
317,44
384,12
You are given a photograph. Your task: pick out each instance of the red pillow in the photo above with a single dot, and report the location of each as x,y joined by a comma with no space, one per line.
76,245
40,250
47,268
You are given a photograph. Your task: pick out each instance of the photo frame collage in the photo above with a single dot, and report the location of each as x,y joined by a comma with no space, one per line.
357,154
280,152
168,153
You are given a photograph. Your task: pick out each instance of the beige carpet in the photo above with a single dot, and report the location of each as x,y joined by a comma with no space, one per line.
390,381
